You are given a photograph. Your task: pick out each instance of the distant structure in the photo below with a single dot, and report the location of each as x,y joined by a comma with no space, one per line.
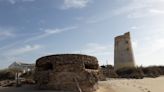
67,72
123,53
22,66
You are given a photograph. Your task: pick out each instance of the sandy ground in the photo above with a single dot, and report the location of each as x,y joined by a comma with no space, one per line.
133,85
112,85
21,89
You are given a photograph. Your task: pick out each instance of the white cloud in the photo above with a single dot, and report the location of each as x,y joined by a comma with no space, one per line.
132,9
156,11
43,34
28,0
103,52
12,1
94,48
98,19
148,45
75,4
48,32
22,50
17,54
6,32
156,45
134,44
133,27
79,18
150,53
141,8
55,31
17,1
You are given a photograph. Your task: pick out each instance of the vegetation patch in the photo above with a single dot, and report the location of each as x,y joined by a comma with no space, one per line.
135,73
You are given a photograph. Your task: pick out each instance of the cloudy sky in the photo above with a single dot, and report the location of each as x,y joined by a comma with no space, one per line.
30,29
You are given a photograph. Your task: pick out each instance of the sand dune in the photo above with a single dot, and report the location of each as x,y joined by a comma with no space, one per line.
111,85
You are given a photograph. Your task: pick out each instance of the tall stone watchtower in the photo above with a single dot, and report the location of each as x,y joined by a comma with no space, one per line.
123,53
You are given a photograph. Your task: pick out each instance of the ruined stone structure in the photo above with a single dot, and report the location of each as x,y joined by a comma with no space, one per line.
123,53
67,72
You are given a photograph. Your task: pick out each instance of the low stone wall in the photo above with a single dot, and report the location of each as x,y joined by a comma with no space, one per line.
67,72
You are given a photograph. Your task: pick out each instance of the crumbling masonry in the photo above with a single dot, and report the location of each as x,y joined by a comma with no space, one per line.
67,72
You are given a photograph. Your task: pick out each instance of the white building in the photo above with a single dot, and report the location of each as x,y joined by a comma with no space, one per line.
22,66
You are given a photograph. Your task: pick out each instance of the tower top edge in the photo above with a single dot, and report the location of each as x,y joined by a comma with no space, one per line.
127,34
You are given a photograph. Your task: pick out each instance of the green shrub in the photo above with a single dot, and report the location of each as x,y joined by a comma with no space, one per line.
6,74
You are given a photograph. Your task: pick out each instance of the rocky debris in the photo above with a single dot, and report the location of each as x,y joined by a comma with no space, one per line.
7,83
11,83
101,75
28,81
67,72
108,71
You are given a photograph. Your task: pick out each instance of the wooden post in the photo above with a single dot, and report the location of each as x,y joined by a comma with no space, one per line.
17,84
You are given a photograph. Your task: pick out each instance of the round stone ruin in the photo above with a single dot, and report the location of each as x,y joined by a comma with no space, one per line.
67,72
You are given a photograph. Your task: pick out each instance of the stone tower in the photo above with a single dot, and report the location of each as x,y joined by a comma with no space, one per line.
123,53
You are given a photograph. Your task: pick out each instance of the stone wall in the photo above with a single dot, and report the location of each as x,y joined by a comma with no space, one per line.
123,53
67,72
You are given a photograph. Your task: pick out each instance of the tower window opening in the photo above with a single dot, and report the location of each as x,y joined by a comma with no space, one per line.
48,66
126,42
91,66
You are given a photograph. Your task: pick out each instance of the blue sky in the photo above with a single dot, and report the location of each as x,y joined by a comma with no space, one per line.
30,29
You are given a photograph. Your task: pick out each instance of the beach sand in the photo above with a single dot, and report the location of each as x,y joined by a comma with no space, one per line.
111,85
133,85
